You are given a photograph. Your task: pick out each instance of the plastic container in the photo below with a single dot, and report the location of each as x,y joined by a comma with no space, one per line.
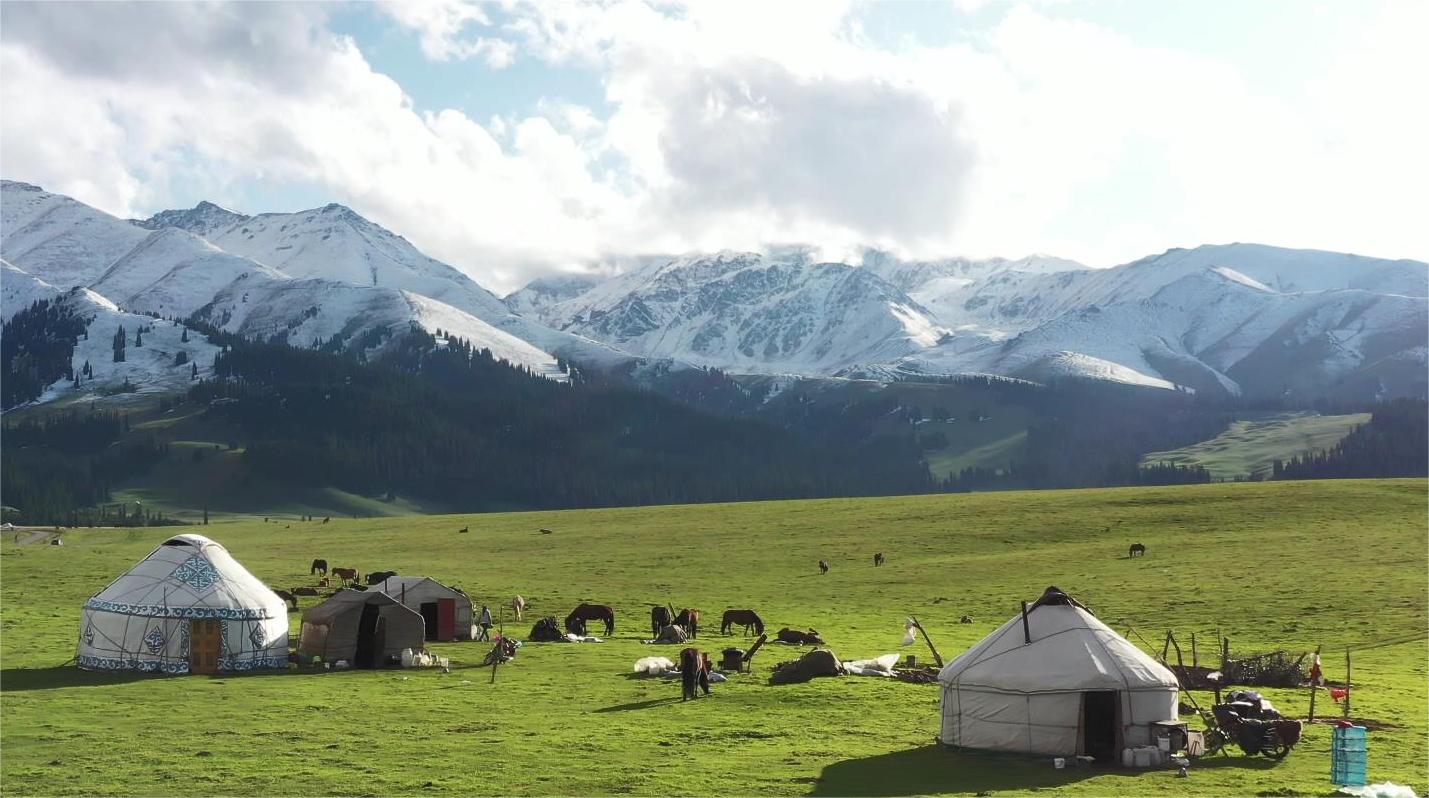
1128,757
1349,756
1059,763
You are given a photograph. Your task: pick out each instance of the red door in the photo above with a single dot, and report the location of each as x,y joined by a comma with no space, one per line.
446,619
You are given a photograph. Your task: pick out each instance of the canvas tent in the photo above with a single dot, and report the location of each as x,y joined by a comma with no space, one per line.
364,627
188,607
446,612
1077,688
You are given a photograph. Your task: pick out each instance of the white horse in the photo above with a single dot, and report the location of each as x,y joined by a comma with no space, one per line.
518,605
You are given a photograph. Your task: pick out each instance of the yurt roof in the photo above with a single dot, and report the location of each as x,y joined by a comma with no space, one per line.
344,601
189,576
393,585
1070,650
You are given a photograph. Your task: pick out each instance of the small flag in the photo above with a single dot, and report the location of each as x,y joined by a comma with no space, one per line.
910,633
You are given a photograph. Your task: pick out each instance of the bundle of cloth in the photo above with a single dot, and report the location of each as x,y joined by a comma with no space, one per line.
819,662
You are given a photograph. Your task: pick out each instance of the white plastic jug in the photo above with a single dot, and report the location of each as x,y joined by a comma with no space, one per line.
407,657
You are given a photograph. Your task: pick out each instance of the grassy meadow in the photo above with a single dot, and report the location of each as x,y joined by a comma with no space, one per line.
1272,565
1251,446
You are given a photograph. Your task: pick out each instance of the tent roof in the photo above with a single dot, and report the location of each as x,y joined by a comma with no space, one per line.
393,585
189,571
344,601
1070,650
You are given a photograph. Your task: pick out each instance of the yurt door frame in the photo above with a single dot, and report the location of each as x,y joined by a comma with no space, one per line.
205,643
446,619
1101,724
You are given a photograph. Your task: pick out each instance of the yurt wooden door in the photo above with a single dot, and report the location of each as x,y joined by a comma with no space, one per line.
446,619
205,642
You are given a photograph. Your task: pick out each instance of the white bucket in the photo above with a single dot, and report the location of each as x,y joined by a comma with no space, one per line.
1128,758
1059,763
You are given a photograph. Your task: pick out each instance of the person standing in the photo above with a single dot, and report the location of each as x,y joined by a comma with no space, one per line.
485,623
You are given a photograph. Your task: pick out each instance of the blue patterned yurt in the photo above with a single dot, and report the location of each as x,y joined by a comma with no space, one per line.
188,607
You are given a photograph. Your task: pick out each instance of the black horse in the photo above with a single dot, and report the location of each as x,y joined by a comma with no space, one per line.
878,559
1137,548
823,566
319,566
660,617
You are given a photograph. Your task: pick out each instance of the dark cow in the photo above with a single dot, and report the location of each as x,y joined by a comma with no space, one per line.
823,566
746,618
319,567
347,575
878,559
798,638
1137,548
660,617
689,620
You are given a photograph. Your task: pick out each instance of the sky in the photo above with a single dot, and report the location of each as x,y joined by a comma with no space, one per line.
516,140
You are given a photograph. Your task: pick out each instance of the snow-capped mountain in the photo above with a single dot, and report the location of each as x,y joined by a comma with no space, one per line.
749,312
1231,319
320,276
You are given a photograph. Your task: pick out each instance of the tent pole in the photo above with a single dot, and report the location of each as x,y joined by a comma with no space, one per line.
938,658
1026,629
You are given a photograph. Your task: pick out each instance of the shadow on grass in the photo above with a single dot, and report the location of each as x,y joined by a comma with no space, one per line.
654,702
934,769
16,680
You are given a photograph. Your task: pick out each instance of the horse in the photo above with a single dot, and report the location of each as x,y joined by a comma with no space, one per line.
745,618
1137,548
518,606
304,591
544,531
347,575
319,566
327,518
690,667
378,577
593,612
287,597
878,559
798,638
689,619
823,566
660,617
966,619
463,530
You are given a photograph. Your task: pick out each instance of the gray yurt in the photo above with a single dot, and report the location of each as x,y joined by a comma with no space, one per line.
446,612
364,627
1055,681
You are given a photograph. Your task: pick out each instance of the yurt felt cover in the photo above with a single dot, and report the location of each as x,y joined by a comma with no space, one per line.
141,620
1007,694
330,629
413,591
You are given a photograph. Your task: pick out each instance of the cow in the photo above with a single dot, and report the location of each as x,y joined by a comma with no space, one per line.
319,566
1137,548
823,566
347,575
878,559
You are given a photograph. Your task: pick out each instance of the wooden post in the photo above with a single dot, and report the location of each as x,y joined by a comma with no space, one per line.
1348,688
1026,629
1313,686
1195,660
938,658
1225,654
1166,646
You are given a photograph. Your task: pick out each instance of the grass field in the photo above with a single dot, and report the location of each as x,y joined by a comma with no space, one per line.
1272,565
1251,446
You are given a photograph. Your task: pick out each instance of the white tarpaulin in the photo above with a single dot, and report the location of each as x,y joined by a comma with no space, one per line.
142,621
1008,694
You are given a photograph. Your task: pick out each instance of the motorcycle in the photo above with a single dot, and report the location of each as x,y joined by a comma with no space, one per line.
1253,725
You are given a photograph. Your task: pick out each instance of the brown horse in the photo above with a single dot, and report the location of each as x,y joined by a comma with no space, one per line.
690,620
347,575
1137,548
691,667
660,617
745,618
288,597
798,638
591,612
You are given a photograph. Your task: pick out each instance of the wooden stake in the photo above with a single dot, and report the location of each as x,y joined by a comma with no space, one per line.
1195,660
1348,688
938,658
1313,687
1026,630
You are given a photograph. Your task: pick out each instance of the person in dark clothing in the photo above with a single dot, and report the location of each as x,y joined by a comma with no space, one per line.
484,621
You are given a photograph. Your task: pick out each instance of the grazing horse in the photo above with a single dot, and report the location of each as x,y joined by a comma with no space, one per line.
378,577
518,606
592,612
798,638
690,666
823,566
660,617
745,618
347,575
1137,548
878,559
288,597
319,566
689,620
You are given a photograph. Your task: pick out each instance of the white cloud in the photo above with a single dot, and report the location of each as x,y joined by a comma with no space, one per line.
727,125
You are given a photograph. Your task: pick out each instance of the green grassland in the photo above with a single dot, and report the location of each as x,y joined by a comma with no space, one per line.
1273,565
1251,446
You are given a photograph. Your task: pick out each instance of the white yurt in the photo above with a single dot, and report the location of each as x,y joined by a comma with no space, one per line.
446,612
188,607
1055,681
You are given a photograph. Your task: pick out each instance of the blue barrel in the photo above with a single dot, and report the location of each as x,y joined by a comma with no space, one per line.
1349,756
